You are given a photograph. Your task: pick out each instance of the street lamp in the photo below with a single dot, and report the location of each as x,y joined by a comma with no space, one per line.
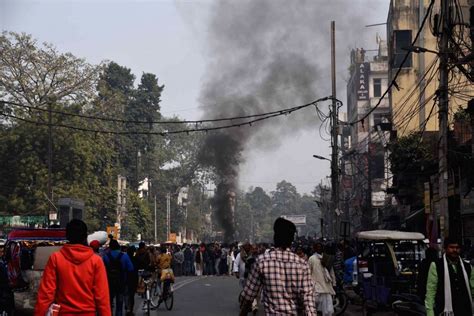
418,49
321,158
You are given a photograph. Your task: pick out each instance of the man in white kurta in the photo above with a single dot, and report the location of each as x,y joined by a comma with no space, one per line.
324,282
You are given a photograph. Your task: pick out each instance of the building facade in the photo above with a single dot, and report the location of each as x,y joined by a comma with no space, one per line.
365,172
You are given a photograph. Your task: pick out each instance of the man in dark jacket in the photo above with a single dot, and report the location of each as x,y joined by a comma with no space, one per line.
188,260
118,266
450,283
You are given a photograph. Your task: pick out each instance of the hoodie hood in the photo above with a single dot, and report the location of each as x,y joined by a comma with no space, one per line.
76,253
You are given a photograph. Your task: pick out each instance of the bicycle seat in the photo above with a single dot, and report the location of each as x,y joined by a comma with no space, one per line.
144,274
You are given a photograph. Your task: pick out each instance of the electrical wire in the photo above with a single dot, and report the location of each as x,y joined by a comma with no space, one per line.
258,118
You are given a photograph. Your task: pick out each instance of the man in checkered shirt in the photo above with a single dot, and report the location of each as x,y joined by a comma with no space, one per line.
284,277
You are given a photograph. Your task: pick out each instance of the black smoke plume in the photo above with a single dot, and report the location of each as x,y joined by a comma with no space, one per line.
266,55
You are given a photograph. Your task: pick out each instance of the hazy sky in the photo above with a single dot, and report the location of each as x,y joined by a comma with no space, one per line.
171,39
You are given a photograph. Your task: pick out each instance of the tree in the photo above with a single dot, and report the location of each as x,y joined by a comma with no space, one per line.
260,204
34,77
31,75
285,199
411,162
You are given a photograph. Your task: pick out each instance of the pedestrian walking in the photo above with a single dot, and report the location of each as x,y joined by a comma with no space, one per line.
450,283
188,260
74,278
324,281
178,258
239,264
132,281
284,277
199,260
118,266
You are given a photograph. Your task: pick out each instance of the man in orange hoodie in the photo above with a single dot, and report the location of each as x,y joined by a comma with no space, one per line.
74,278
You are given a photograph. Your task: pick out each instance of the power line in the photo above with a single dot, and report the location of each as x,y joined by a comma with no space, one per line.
110,119
258,118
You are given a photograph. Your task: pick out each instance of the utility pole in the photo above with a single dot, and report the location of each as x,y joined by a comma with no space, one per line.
367,217
156,232
50,155
168,215
334,133
251,227
443,121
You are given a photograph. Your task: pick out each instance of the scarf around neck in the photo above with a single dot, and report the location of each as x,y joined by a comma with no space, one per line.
448,303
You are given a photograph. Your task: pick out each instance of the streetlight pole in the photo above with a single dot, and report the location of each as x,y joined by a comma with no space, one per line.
334,134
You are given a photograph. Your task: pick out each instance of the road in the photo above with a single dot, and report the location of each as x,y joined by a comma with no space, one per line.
212,295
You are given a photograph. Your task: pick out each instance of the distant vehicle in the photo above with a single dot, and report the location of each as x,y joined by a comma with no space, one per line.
386,266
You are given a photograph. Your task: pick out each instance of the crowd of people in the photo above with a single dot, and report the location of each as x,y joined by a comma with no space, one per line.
290,275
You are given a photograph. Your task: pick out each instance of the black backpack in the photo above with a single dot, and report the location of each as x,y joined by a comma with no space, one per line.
114,272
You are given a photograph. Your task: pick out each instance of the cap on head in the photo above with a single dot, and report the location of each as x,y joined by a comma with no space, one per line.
95,244
76,232
284,233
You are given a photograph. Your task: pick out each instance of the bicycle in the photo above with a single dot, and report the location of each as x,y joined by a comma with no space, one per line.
166,294
148,282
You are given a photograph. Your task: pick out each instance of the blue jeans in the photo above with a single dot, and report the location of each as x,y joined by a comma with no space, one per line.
118,295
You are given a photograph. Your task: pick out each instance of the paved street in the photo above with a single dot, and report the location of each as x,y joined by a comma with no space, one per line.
212,295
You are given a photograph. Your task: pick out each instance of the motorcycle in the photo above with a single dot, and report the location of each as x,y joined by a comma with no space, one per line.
340,300
408,305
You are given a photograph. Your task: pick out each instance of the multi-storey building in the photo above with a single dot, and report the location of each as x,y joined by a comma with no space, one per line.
413,99
365,173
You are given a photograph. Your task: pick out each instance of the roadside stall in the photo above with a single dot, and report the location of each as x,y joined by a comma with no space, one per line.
27,252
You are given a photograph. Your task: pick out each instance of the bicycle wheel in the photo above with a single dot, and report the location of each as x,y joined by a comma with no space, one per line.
168,296
148,307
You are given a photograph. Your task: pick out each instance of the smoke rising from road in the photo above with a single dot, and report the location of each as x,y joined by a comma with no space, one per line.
263,56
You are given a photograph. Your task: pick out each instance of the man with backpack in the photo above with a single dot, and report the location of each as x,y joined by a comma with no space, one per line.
118,266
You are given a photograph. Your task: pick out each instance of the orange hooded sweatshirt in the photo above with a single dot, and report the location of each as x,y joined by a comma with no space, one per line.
76,279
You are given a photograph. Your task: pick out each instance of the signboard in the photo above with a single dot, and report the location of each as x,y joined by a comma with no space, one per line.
362,84
298,220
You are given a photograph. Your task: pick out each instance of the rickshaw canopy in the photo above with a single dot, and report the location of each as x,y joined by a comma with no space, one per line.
389,235
53,234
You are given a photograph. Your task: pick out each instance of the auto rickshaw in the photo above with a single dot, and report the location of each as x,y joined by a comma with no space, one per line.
386,266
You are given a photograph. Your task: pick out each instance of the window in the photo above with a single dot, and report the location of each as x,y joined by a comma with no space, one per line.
380,118
377,87
402,40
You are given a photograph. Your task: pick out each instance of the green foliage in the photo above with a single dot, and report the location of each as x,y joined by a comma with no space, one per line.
411,163
256,211
410,155
285,199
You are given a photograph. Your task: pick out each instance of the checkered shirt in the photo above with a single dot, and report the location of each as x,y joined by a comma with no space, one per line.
286,282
